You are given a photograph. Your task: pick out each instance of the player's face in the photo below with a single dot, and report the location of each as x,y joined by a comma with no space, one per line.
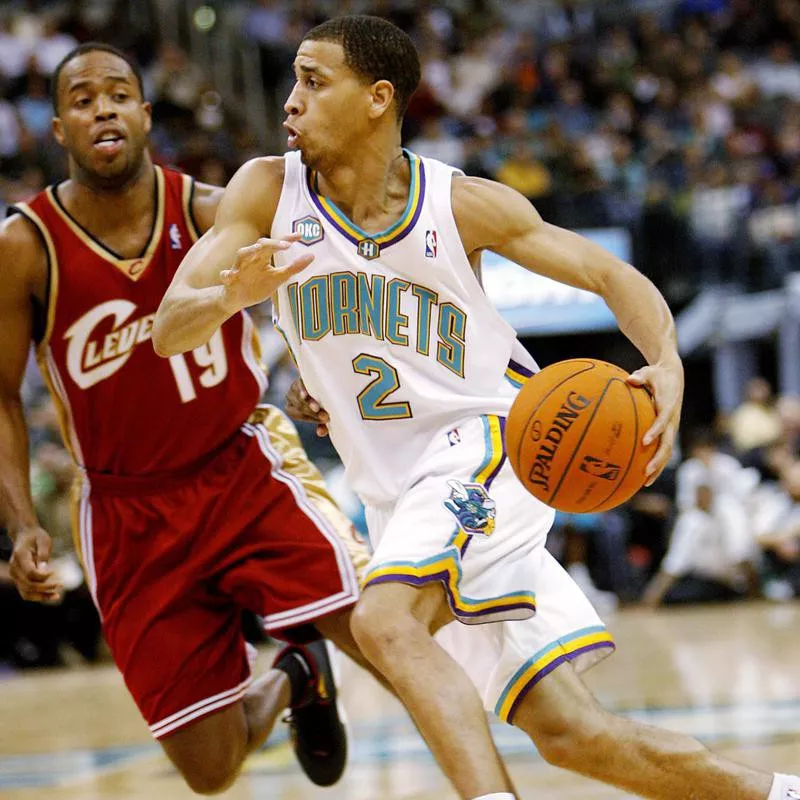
102,119
329,108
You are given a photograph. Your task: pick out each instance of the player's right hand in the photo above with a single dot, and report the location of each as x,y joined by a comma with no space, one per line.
29,567
253,277
300,405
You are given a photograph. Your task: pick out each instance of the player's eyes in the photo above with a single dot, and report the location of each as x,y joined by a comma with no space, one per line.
120,97
82,102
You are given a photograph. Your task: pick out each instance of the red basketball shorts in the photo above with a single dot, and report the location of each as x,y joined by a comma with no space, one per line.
172,565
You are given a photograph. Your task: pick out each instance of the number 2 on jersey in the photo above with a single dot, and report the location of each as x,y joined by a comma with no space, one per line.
211,356
372,399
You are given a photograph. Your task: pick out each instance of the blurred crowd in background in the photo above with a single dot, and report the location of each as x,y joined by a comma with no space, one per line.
678,120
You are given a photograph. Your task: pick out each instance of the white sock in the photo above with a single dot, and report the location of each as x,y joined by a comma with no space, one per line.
506,796
784,787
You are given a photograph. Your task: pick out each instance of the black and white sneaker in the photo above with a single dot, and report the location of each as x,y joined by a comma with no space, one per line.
317,733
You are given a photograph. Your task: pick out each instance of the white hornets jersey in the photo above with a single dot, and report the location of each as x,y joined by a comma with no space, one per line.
391,331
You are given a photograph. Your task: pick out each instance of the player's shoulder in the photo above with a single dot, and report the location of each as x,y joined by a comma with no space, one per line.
24,254
254,191
266,172
486,211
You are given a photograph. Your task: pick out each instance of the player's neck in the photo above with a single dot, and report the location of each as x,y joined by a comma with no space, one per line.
84,197
371,181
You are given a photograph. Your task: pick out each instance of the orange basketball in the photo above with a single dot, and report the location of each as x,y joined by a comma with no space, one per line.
574,436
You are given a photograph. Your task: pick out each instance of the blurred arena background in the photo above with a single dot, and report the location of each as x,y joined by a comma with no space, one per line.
668,130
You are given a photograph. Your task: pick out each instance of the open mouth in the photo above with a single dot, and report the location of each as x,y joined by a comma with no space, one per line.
292,135
109,142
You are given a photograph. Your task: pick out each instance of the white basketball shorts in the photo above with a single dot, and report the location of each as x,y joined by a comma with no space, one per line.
468,523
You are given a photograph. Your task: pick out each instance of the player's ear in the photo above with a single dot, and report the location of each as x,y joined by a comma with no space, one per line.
381,96
58,130
148,111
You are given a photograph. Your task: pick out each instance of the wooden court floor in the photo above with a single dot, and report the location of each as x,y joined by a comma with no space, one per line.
730,676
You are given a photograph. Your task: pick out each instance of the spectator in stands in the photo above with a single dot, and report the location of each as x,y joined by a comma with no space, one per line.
435,141
15,55
717,209
776,523
756,423
712,555
729,482
267,24
51,46
774,230
34,106
778,75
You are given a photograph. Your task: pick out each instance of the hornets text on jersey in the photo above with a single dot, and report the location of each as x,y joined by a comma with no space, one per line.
392,331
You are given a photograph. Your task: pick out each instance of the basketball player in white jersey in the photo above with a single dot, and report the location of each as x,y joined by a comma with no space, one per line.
395,339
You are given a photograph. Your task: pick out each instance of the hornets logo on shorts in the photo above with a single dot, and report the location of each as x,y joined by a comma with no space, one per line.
472,507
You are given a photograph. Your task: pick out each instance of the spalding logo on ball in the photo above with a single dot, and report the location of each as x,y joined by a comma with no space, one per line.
574,436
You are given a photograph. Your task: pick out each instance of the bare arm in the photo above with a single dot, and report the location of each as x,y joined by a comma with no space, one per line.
229,268
23,277
494,217
22,258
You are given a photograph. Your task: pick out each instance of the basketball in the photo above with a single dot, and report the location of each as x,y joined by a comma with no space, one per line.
574,436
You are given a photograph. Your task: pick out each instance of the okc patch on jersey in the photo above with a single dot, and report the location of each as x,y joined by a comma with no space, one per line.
471,505
310,230
431,244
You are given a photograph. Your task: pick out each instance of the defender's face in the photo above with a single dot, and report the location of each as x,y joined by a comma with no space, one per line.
102,121
328,109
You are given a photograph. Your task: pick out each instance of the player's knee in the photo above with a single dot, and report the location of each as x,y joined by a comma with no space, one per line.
211,776
381,633
208,769
573,741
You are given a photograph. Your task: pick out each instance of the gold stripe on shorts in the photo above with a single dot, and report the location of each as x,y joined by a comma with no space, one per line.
284,438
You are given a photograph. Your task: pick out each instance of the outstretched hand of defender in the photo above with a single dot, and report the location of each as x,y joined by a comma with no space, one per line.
253,277
665,384
29,568
300,405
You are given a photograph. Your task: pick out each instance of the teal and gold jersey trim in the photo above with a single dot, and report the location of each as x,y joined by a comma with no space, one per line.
393,234
493,461
447,569
545,661
517,374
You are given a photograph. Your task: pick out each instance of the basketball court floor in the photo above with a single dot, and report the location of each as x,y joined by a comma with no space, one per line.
730,676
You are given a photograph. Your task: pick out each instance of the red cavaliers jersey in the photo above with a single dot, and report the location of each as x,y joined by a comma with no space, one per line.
123,409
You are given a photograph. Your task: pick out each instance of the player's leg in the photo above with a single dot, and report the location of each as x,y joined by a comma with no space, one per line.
209,753
573,731
394,624
544,696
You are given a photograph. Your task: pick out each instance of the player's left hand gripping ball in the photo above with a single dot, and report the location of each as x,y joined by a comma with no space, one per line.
664,381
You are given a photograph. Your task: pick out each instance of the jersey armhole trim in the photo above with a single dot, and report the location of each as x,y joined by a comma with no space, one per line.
189,185
41,337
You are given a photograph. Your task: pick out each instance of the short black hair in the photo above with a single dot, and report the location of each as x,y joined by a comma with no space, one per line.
92,47
377,50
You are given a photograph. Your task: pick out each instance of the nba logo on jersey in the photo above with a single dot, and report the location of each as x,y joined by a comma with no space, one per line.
368,249
431,244
310,230
174,237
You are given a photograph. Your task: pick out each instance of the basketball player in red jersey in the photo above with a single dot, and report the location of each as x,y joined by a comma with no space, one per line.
193,503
